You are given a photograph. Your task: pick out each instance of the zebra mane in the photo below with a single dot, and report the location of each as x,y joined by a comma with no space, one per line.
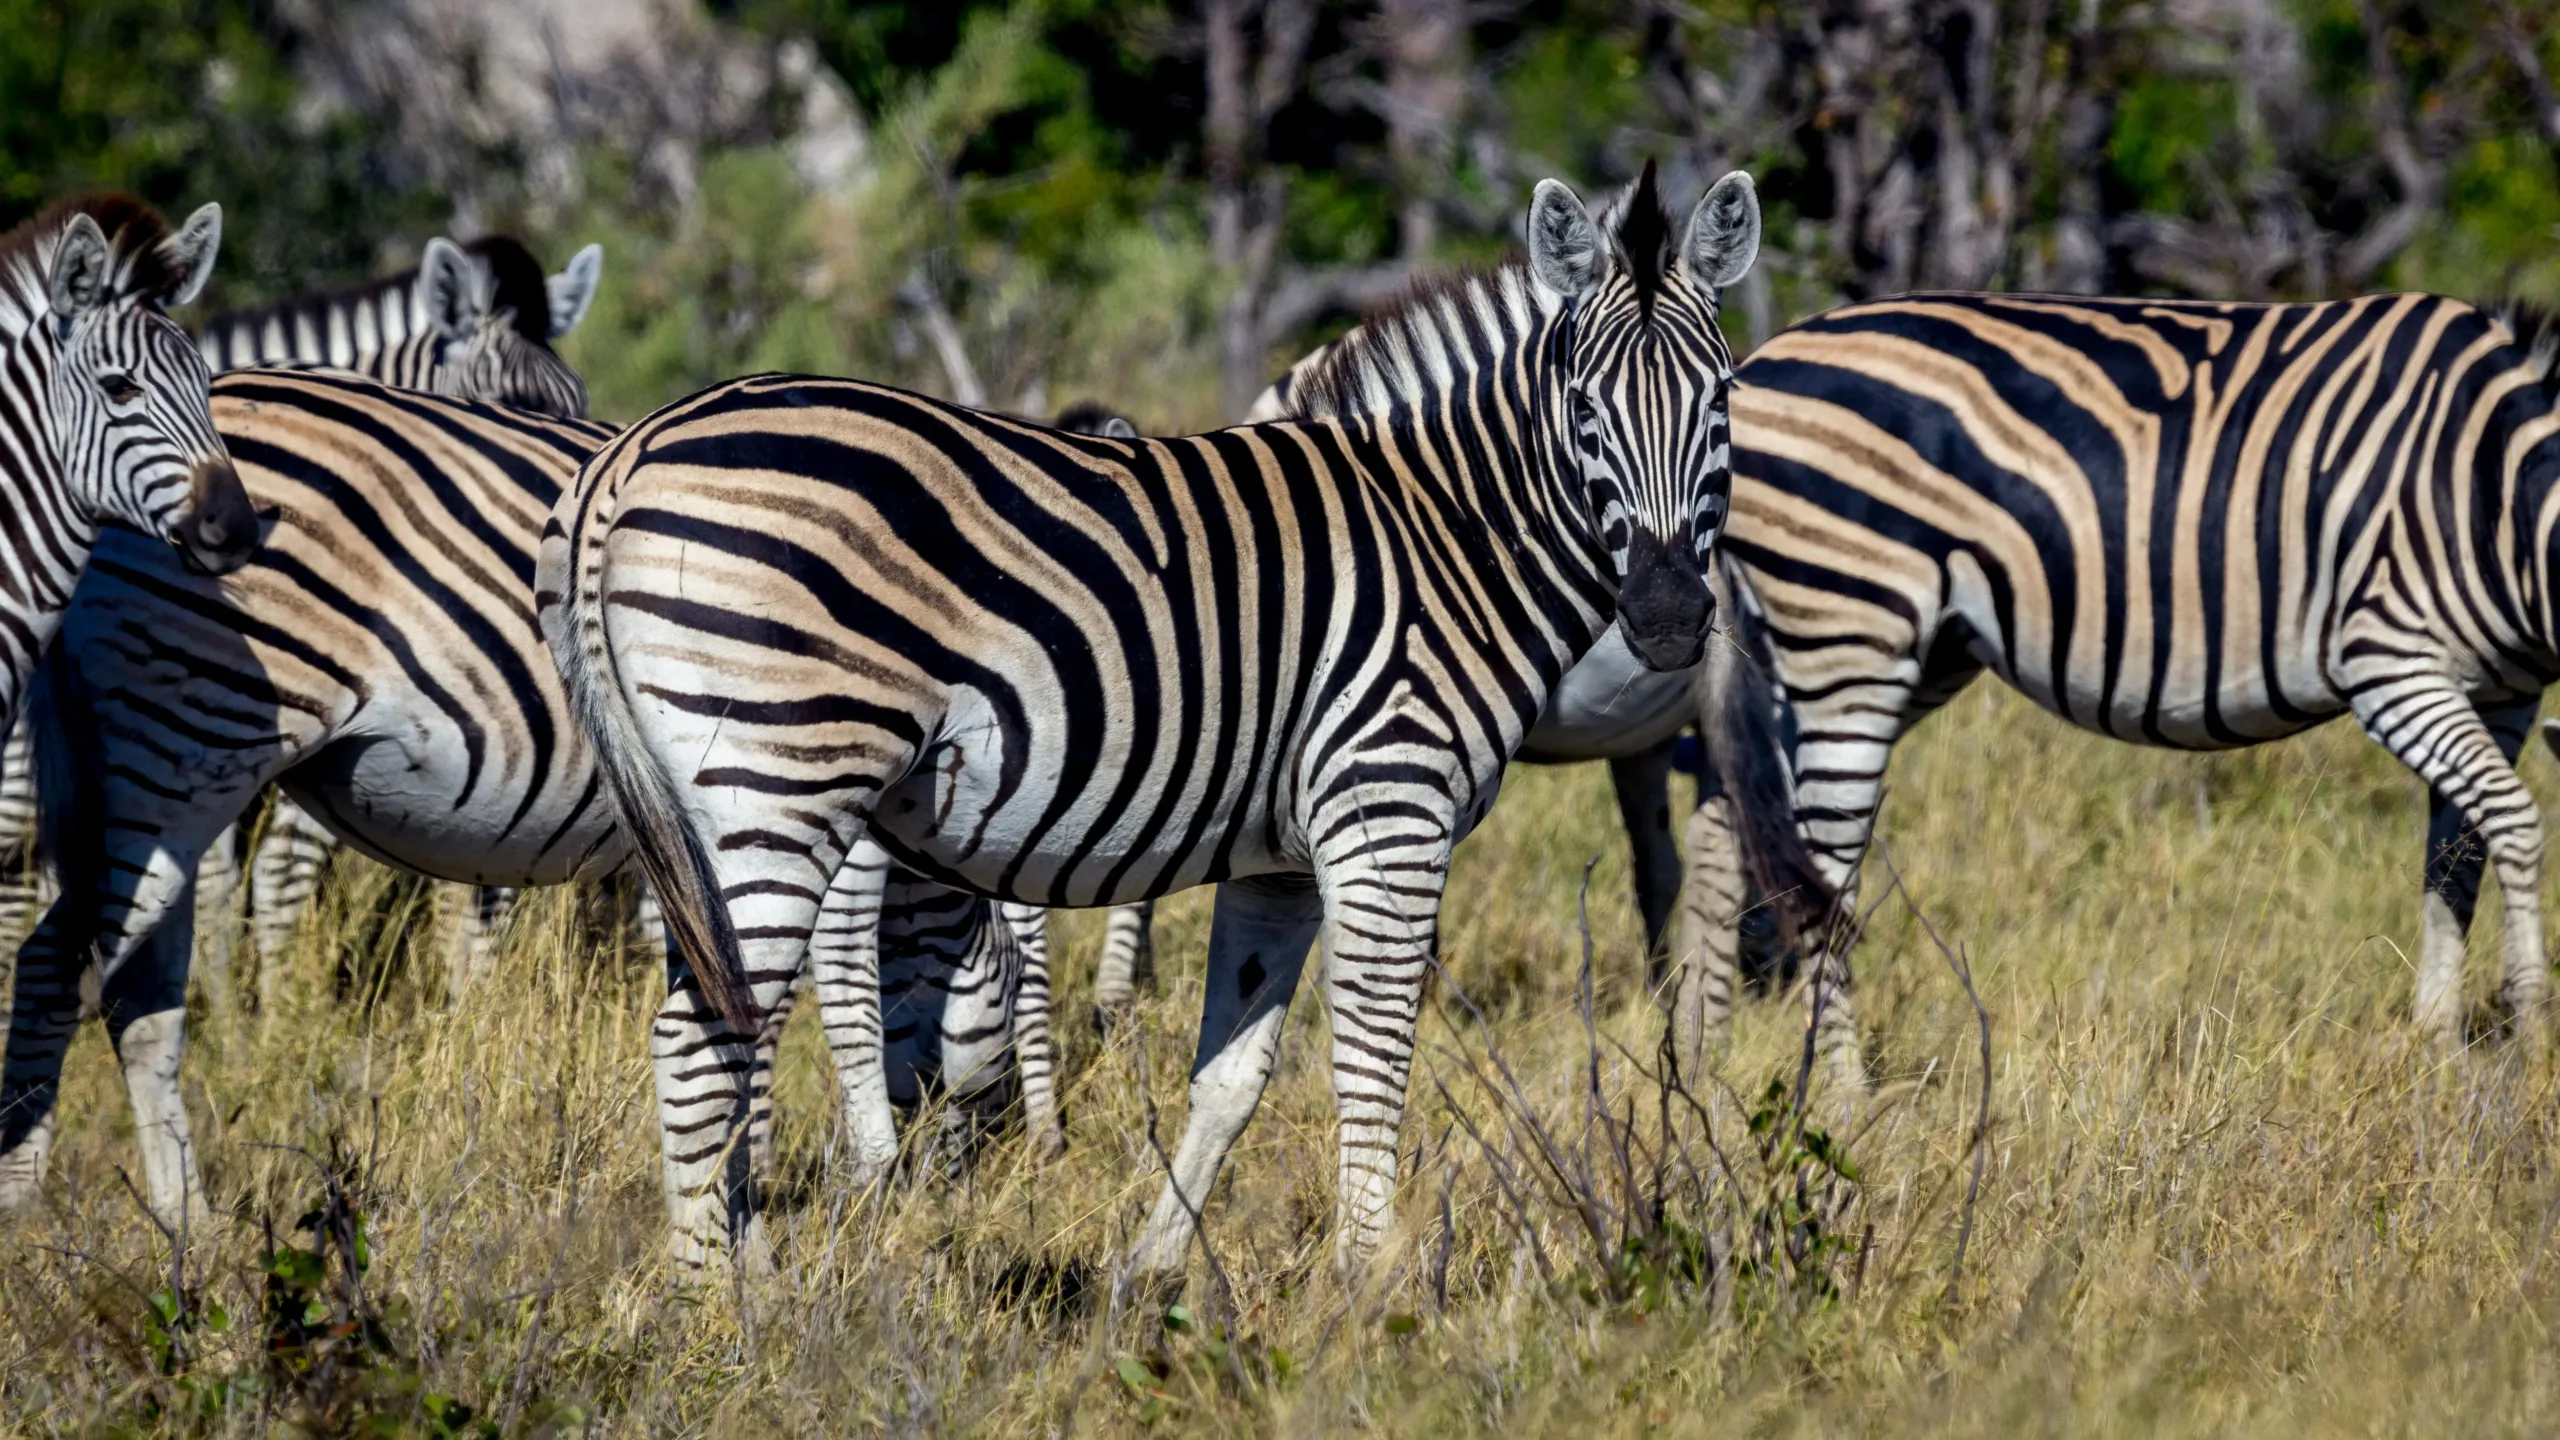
1453,316
519,285
2536,328
140,264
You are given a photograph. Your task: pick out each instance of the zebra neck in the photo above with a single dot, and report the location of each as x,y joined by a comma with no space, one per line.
44,539
373,330
1461,384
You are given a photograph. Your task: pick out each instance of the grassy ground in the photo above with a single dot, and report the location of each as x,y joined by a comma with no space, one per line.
2223,1188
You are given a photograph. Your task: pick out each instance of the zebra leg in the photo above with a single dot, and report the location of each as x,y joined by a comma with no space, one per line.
1128,962
1382,912
284,872
1643,783
2456,862
20,879
648,922
472,918
1035,1058
1710,938
144,957
217,922
2431,726
144,1003
1257,945
760,1154
844,959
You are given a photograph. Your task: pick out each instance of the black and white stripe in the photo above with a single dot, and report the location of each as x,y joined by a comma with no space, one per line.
2181,524
103,418
1291,658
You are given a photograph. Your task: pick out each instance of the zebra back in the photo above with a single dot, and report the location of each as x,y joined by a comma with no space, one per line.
474,321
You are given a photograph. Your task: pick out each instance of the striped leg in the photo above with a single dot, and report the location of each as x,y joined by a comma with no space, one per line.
2431,726
1643,783
648,922
1258,943
284,873
472,919
760,1156
217,918
844,961
20,882
1710,938
1128,962
1034,1056
144,949
2456,861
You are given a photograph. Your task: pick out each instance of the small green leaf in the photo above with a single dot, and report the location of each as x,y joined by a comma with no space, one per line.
1401,1324
1135,1374
1177,1318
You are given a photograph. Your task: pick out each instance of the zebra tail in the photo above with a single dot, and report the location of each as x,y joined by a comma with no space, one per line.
68,772
671,852
1740,715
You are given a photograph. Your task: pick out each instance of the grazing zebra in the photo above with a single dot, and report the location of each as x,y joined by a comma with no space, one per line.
1292,659
2182,524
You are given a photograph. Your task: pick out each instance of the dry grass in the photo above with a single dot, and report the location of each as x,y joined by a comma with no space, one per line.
2225,1188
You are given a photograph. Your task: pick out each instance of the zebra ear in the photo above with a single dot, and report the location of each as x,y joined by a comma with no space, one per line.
1724,232
573,289
449,290
80,265
191,252
1564,246
1119,428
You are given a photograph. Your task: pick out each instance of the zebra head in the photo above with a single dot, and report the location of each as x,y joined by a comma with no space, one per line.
128,404
1645,373
493,317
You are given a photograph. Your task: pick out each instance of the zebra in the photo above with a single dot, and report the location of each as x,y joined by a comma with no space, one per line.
380,661
2340,508
104,421
1608,707
477,321
1292,659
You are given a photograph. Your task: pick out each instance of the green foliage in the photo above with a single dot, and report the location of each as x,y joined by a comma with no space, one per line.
184,101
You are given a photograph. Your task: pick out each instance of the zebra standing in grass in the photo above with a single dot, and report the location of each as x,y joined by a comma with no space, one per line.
477,321
380,661
103,418
1290,658
2182,524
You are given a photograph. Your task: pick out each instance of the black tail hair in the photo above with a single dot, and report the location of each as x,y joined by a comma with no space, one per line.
1742,720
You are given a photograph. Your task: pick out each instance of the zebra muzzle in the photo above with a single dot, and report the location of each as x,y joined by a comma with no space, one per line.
1663,606
220,532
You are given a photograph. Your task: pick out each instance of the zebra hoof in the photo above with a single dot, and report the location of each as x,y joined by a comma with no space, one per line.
1048,1144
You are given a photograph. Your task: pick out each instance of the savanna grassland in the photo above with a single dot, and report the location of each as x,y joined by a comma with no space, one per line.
2223,1187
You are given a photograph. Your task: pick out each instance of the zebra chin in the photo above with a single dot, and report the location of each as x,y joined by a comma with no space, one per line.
1664,608
220,532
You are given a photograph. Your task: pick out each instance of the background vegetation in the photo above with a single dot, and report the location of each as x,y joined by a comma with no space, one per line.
2222,1187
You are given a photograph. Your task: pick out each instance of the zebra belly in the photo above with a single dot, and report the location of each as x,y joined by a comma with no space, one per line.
382,801
1608,705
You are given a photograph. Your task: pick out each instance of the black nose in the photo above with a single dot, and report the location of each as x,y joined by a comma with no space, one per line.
1663,605
221,531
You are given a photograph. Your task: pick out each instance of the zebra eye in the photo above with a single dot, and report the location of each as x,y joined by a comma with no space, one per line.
119,387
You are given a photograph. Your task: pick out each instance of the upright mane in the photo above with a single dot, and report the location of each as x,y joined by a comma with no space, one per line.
140,264
1444,316
521,285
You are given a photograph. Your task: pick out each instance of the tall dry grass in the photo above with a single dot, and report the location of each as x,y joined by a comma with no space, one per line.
2224,1188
